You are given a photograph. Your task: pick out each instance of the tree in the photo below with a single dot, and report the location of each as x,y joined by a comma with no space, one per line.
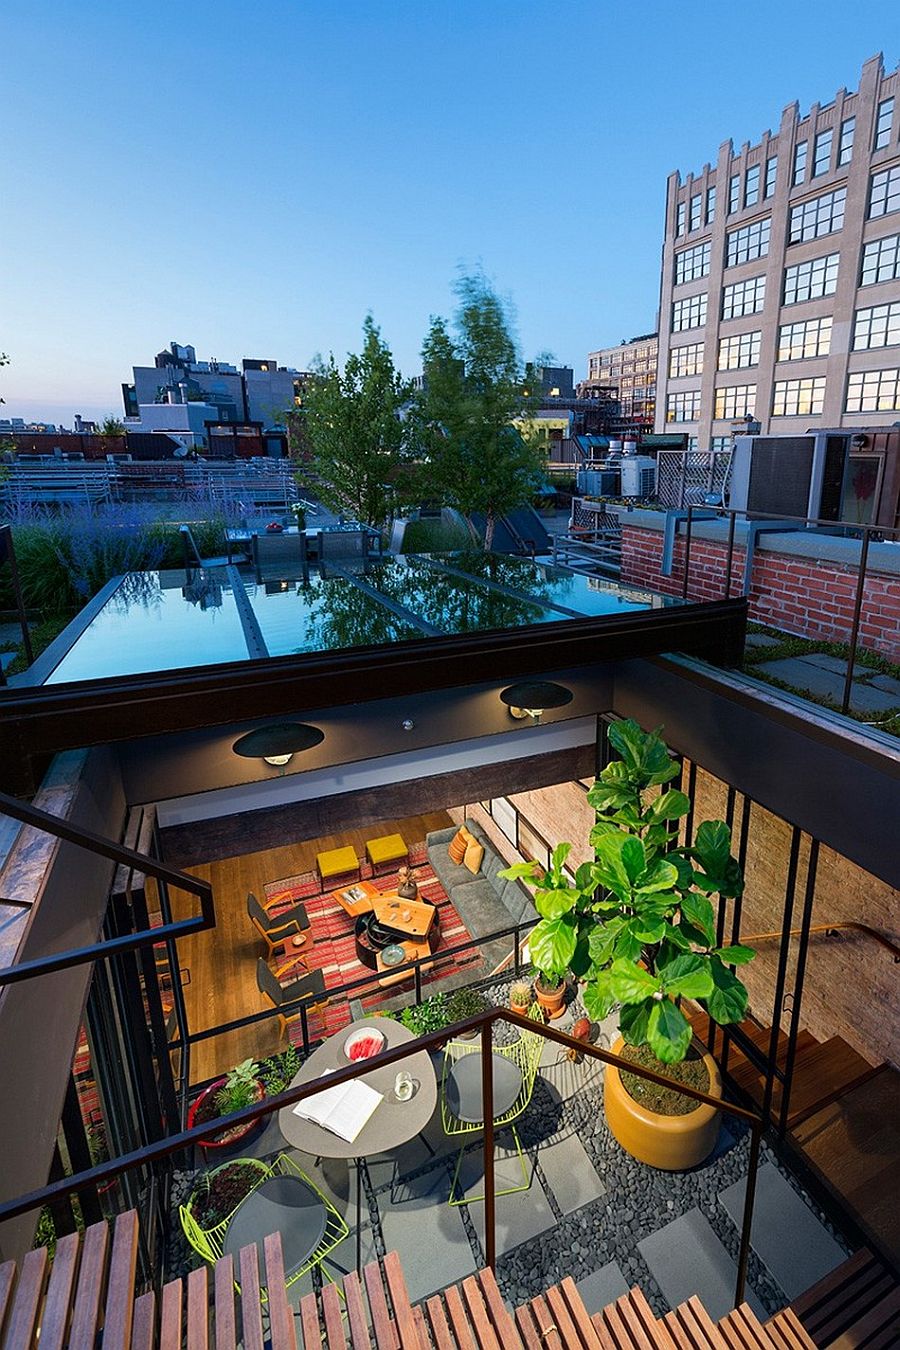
477,460
353,430
4,361
112,426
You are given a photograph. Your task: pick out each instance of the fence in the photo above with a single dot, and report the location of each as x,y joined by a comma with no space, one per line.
262,482
691,477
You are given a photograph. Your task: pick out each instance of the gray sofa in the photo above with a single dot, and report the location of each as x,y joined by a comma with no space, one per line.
485,901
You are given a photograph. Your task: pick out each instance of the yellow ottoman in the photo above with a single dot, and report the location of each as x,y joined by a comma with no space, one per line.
337,862
390,848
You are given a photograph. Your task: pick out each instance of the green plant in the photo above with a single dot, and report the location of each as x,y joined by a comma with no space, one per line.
423,1018
222,1190
277,1072
464,1003
45,1233
637,925
241,1087
520,995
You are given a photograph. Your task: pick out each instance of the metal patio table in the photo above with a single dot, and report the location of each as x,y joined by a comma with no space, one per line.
391,1124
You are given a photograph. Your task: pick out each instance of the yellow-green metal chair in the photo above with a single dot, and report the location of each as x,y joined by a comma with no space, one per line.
515,1068
286,1201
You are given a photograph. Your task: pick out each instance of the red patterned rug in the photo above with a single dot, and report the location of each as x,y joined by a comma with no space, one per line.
333,948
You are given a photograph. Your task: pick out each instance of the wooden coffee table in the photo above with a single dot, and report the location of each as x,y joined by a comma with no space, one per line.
411,918
387,975
357,899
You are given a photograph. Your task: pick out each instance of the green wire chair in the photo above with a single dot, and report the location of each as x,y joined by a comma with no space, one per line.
515,1070
210,1242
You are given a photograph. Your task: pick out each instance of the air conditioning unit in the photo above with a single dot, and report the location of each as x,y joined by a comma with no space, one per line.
638,476
598,482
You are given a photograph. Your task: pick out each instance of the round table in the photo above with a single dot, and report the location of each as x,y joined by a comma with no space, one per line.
391,1124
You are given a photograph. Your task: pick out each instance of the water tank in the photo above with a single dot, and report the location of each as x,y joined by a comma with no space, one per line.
629,448
615,446
638,476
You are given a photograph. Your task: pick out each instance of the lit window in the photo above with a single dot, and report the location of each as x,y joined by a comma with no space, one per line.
811,280
747,242
877,327
818,216
771,174
799,162
690,313
845,145
883,119
808,337
692,263
739,351
822,153
686,360
799,398
881,260
751,185
873,391
736,400
683,406
885,194
743,297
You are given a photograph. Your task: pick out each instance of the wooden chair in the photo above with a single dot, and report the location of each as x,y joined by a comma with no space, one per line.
308,988
278,930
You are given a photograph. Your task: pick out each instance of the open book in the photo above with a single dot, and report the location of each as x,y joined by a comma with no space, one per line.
344,1110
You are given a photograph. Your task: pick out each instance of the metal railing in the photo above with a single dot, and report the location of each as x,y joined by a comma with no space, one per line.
831,930
483,1023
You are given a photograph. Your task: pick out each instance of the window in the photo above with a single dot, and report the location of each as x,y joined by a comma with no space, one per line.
799,162
679,219
734,193
686,360
720,443
739,351
811,280
845,144
696,204
799,398
818,216
743,297
692,263
885,194
710,205
692,445
683,406
822,153
877,327
771,174
747,242
808,337
883,119
736,401
751,185
873,391
690,313
881,260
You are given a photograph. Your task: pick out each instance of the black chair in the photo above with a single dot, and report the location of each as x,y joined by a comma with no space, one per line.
275,931
309,987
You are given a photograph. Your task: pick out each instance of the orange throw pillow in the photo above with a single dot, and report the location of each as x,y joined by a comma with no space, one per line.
457,846
474,857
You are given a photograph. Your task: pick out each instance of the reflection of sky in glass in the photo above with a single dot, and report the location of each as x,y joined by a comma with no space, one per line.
322,616
591,596
149,624
451,603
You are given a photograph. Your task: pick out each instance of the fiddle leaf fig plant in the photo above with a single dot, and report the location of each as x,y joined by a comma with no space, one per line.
637,925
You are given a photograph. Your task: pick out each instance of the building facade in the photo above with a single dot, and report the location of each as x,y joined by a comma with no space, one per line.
780,293
262,391
631,369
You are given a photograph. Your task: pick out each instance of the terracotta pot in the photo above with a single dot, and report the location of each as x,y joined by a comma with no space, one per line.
553,1000
233,1135
671,1143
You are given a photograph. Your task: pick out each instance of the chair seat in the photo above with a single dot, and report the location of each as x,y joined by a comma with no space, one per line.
387,848
285,1205
336,862
463,1087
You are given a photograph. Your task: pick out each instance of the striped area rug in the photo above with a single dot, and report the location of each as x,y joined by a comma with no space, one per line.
333,948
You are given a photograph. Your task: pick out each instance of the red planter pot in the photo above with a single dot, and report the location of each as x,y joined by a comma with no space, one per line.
231,1136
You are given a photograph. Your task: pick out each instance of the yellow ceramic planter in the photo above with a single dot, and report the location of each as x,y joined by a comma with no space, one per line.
671,1143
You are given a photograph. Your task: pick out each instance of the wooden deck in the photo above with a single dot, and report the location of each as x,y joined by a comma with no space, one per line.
219,966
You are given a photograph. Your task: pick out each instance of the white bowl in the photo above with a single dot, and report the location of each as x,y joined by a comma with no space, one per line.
364,1034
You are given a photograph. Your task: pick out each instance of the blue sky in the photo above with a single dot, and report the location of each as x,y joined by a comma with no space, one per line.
253,180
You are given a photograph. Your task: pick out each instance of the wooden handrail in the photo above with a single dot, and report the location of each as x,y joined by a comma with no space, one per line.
831,928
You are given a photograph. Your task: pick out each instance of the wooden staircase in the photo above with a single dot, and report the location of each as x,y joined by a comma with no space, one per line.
854,1307
823,1070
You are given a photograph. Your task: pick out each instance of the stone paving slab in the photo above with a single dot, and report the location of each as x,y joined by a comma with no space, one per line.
888,684
519,1217
763,640
686,1257
389,1168
786,1236
428,1234
801,674
836,664
602,1287
570,1174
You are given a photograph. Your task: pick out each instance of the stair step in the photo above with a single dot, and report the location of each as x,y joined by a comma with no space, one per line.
845,1297
878,1329
787,1331
742,1330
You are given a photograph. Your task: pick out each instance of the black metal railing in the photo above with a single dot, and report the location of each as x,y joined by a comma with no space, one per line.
483,1023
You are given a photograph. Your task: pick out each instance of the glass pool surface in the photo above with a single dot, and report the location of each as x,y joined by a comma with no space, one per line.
321,616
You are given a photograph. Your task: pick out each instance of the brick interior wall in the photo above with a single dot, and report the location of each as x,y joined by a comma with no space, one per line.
808,597
851,984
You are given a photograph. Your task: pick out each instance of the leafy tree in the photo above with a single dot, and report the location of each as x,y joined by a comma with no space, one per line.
4,361
476,460
112,426
355,436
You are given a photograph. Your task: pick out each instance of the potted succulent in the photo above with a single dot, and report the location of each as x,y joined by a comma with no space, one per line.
520,997
638,927
239,1088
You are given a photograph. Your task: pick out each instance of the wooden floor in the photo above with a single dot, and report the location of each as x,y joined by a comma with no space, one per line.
219,966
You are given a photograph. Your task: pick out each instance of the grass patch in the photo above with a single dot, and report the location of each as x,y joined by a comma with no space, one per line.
42,634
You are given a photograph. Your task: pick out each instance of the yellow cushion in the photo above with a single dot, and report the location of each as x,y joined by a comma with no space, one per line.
456,849
335,862
474,856
388,848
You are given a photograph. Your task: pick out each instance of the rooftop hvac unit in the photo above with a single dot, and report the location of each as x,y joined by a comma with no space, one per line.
638,476
598,482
